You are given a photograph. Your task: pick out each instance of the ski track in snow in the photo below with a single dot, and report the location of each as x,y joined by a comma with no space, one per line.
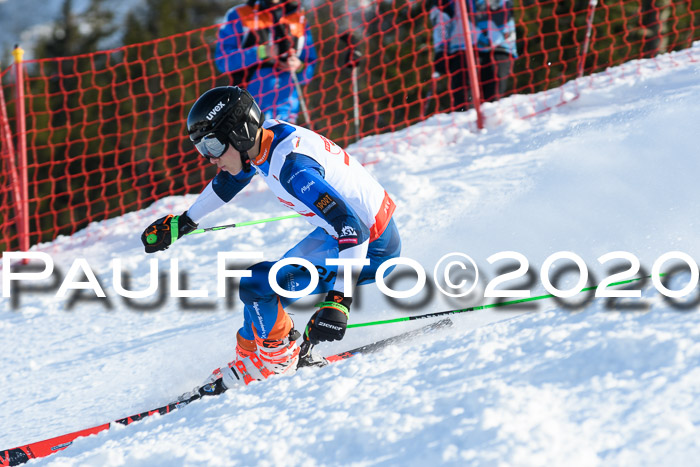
616,169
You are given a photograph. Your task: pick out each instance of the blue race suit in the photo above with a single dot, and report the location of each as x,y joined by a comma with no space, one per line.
350,210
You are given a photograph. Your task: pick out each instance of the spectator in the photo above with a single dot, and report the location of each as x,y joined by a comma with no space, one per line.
493,34
268,40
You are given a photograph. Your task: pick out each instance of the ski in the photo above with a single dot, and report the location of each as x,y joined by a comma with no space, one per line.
44,448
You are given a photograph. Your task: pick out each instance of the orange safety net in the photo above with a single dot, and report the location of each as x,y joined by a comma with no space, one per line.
106,134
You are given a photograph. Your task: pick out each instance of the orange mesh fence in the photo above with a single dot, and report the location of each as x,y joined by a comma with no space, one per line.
106,135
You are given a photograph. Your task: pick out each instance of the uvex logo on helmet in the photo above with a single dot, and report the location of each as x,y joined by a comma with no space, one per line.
214,111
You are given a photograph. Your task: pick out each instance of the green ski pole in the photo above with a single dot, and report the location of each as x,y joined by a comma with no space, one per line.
480,307
242,224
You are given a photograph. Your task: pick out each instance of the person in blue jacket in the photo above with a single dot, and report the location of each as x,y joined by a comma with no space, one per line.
493,35
270,41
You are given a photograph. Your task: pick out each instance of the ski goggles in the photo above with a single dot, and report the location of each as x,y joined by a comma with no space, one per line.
211,147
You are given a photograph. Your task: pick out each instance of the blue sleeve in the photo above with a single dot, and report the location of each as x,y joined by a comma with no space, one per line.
228,55
309,58
303,178
226,186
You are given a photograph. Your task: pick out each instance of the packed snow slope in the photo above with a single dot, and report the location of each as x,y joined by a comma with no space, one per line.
612,383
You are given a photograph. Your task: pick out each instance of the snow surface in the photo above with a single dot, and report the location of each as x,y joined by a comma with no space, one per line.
607,383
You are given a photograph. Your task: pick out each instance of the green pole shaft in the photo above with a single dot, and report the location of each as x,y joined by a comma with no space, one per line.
242,224
480,307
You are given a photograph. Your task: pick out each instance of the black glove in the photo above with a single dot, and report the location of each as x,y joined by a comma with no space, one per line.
163,232
330,320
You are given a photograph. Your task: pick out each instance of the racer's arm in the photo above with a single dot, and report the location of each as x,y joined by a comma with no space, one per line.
165,231
218,192
305,179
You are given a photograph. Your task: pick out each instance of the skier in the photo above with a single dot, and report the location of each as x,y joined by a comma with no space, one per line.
307,172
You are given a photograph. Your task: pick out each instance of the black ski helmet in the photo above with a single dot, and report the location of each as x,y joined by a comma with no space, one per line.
230,115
